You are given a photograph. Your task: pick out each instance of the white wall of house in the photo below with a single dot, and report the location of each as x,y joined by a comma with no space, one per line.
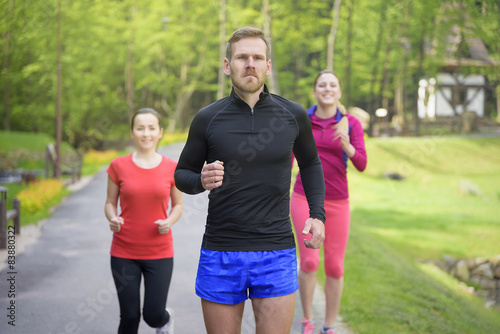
440,90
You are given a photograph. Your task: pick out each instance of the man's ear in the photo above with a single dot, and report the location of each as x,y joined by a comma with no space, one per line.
227,67
269,68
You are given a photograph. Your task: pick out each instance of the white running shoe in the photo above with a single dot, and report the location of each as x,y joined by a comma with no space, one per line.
168,328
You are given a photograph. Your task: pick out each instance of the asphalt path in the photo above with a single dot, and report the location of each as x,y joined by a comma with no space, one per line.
61,282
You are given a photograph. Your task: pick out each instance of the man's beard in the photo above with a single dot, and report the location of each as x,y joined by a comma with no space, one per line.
248,87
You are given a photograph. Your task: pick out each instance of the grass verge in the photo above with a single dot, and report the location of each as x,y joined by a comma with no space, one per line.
396,224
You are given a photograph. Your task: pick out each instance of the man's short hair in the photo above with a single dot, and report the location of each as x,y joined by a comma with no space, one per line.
246,32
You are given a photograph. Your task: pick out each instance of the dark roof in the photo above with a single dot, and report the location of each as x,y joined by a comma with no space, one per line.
463,48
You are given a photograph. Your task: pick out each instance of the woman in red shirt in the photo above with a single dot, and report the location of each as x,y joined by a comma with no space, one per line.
142,246
339,137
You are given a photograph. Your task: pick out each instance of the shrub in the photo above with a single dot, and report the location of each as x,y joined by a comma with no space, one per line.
99,158
170,138
21,159
36,196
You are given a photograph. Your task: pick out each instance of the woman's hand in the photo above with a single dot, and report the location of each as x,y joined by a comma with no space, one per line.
345,141
115,224
163,225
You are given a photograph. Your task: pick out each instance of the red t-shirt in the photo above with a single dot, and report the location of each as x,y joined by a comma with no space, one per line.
144,198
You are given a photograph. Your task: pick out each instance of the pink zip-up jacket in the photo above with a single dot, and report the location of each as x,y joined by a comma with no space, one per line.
333,158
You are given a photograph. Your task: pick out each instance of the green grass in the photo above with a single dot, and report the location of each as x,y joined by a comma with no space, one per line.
27,150
396,225
31,142
386,292
426,215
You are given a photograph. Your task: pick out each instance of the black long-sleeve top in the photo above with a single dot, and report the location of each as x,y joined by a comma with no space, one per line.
250,211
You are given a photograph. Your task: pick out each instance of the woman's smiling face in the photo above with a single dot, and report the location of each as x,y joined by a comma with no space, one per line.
146,131
327,90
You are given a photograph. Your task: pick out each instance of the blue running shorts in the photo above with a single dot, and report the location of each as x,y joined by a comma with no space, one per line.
232,277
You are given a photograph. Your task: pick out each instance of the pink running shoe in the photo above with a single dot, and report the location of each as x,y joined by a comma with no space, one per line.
330,331
307,326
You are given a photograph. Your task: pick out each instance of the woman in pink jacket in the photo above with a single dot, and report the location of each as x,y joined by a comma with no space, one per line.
339,138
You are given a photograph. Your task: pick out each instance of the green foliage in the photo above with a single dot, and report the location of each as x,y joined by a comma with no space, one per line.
396,225
99,158
172,48
170,138
93,161
36,199
36,196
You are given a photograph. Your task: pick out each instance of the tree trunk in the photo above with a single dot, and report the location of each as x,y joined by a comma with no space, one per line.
498,86
57,166
130,80
401,76
419,76
399,103
163,103
187,87
181,97
297,73
378,46
273,78
498,102
333,34
6,93
382,100
129,71
346,91
222,49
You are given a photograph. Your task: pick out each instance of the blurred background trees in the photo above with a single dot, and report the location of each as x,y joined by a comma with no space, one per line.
118,56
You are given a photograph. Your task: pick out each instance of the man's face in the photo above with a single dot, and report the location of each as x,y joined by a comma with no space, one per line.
249,66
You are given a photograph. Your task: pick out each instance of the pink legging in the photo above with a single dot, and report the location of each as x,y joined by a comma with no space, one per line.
338,216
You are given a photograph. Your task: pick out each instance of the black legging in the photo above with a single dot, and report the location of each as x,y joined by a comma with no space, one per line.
127,276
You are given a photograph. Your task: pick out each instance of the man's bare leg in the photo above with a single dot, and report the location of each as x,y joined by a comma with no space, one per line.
222,318
274,315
